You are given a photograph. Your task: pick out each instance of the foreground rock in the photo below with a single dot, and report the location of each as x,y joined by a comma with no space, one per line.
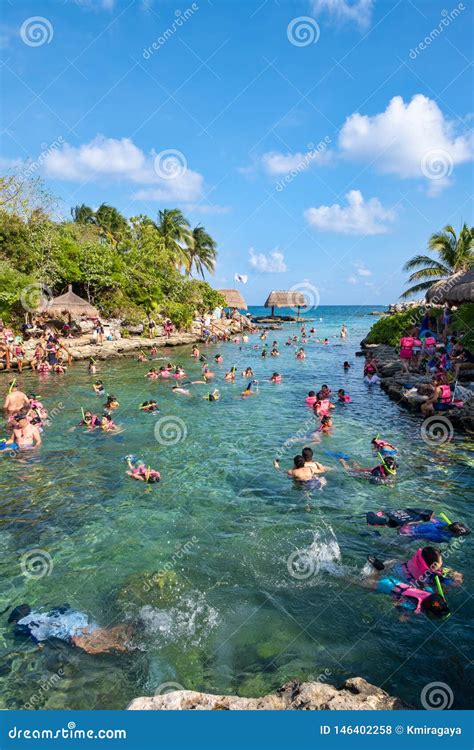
355,694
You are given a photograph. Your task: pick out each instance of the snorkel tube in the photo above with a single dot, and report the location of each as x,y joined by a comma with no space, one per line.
389,471
441,593
445,518
12,385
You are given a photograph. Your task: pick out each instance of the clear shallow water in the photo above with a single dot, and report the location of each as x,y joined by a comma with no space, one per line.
225,615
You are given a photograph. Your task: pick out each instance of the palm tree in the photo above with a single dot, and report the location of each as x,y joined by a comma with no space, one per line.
83,214
455,254
201,251
114,226
173,227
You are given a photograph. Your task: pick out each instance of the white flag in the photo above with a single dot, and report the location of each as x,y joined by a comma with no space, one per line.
240,277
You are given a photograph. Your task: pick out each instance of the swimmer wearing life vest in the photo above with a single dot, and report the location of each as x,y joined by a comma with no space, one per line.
422,568
384,473
383,447
410,599
418,523
153,374
149,406
300,354
343,397
310,399
248,391
138,470
326,425
89,420
276,378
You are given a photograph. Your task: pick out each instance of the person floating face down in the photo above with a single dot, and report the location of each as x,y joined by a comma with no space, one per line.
72,627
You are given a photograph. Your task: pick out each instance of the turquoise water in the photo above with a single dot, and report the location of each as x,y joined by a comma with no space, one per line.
225,614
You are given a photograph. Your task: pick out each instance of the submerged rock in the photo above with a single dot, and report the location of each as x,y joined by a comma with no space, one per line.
355,694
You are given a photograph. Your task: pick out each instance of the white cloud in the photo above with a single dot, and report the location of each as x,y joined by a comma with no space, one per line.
274,262
276,163
358,11
120,160
352,280
409,140
358,217
362,270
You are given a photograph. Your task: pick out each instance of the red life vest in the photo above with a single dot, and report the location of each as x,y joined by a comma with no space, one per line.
430,341
445,397
401,590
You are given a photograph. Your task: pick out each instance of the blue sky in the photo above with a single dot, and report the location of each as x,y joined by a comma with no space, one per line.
319,141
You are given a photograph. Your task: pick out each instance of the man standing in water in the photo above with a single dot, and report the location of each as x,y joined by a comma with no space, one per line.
25,434
343,331
15,401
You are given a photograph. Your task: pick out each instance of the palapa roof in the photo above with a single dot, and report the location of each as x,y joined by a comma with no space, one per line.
286,299
233,298
455,289
69,303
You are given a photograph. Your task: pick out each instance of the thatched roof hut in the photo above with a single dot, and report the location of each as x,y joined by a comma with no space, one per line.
455,289
286,299
69,304
233,298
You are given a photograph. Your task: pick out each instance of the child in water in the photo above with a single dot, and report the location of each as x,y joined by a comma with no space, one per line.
247,373
92,366
98,387
248,391
419,524
138,470
385,472
149,406
275,378
343,396
421,569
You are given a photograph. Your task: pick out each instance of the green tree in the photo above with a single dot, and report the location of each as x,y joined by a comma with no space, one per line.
83,214
455,253
201,252
174,228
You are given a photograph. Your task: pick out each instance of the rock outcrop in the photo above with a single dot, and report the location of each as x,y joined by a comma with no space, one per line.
395,383
355,694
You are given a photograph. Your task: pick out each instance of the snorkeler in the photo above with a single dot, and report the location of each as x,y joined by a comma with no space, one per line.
149,406
140,471
383,447
153,374
409,598
213,395
419,524
106,424
15,400
72,627
98,387
248,391
384,473
25,434
343,397
111,404
89,420
421,569
180,391
92,366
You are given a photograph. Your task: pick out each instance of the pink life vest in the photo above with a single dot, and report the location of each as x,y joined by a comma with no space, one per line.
345,399
445,397
405,590
310,400
430,341
416,566
407,342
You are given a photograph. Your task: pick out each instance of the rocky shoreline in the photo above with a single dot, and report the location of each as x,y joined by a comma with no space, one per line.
394,382
356,694
83,347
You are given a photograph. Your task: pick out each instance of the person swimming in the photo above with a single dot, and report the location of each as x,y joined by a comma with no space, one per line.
247,373
311,398
89,420
149,406
140,471
276,378
326,425
71,626
419,524
153,374
346,366
343,397
92,366
304,474
422,568
315,466
409,598
179,390
384,473
248,391
213,395
98,387
383,447
111,404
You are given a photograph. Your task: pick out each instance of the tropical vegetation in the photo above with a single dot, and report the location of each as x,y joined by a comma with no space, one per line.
455,253
128,268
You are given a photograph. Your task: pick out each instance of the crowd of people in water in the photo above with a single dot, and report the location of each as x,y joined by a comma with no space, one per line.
415,584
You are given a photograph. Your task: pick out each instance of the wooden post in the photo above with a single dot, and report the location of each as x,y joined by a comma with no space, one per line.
273,311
